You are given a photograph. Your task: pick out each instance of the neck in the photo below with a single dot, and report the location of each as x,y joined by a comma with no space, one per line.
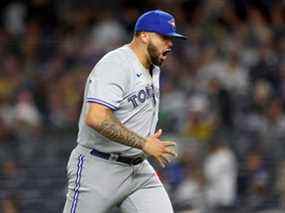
141,53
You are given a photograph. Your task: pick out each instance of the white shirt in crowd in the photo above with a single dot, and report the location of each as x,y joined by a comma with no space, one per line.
220,170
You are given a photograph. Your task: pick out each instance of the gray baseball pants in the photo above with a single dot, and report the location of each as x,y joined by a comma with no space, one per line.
95,185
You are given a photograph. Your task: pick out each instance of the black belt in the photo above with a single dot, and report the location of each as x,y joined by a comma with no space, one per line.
117,157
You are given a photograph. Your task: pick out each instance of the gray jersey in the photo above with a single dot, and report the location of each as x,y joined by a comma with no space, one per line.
120,82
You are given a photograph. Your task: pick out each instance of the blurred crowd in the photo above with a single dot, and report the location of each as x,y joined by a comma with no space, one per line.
222,98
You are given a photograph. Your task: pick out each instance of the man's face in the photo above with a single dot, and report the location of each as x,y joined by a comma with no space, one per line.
158,48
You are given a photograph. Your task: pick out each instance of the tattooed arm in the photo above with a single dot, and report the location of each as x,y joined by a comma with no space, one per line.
103,121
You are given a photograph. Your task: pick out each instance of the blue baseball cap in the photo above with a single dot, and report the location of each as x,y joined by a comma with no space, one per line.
159,22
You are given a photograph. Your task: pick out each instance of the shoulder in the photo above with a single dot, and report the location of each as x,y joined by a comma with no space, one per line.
112,62
113,66
118,56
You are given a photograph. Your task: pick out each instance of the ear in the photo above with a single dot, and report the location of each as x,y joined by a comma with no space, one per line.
144,37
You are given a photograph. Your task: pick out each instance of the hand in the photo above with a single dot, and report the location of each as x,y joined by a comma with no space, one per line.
162,151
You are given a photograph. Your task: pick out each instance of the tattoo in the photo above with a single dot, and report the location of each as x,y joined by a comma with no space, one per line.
114,130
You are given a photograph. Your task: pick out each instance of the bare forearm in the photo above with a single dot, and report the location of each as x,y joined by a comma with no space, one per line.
114,130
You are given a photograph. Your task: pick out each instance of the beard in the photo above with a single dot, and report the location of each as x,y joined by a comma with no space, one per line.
154,54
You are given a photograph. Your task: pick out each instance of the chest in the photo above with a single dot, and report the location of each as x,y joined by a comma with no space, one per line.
143,90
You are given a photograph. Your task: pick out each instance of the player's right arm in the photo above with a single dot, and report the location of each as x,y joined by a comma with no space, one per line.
102,119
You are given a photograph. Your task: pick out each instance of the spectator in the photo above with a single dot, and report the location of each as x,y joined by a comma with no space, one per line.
280,184
108,32
266,68
257,181
14,18
190,193
220,170
172,108
26,112
201,121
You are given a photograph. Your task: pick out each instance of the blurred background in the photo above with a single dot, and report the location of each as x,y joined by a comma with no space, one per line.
222,98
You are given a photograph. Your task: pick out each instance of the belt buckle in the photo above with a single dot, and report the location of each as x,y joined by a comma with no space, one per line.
113,157
136,160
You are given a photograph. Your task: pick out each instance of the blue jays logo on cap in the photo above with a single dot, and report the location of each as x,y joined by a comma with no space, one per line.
172,22
159,22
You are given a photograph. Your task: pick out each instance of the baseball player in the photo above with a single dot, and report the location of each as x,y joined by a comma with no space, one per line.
109,166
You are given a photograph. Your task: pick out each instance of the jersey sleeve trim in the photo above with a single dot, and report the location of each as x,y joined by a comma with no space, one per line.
95,100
